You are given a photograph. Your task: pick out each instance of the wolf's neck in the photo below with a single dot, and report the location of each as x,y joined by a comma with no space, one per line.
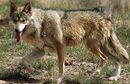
37,16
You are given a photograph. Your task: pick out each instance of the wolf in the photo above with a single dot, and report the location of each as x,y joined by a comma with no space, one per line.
58,29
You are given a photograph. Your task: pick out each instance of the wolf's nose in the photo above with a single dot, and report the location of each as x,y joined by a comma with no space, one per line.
17,30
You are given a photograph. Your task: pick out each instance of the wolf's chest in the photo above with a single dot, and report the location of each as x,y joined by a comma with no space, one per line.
34,41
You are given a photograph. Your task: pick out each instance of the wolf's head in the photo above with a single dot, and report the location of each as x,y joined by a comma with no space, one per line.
21,18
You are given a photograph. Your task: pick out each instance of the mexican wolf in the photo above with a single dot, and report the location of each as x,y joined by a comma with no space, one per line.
59,29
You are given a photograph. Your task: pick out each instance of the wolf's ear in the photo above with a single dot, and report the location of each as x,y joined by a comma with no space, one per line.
27,8
13,8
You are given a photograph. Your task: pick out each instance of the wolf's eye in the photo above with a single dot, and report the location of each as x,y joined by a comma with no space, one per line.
15,20
23,20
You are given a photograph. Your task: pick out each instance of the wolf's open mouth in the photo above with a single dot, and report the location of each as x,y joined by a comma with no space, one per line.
18,36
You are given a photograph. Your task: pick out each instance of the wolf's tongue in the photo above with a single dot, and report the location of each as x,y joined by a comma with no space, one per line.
18,37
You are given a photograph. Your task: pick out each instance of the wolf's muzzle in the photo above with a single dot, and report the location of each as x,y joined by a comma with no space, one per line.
17,31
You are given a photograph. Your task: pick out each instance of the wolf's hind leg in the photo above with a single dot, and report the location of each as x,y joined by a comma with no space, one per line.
101,65
34,55
117,73
103,60
96,49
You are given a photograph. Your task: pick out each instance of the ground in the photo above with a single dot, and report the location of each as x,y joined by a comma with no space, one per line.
78,71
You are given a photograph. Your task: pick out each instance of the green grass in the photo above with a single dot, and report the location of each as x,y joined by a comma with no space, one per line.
122,36
44,64
81,53
4,9
129,69
80,79
8,74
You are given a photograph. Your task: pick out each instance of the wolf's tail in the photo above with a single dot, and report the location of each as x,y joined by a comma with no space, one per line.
118,48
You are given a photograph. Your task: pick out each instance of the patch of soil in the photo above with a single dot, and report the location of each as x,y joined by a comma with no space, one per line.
75,68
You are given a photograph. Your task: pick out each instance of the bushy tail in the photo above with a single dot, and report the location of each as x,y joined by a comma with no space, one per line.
118,48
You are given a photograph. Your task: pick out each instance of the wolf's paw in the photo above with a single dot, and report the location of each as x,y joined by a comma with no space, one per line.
59,81
115,78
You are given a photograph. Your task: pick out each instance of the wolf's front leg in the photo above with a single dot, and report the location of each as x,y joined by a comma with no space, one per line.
60,53
32,56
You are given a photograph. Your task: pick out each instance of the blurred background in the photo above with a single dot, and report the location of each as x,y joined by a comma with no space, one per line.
123,5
